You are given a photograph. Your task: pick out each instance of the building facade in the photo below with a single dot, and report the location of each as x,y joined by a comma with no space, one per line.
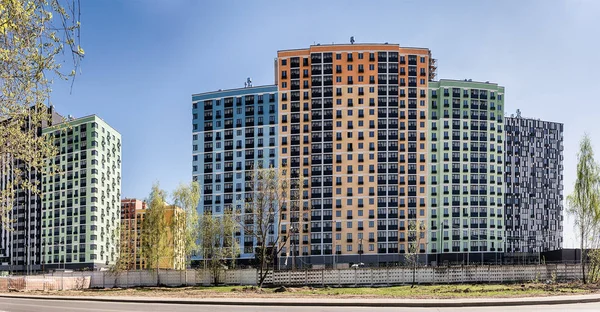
234,132
392,161
534,187
354,125
176,239
466,171
133,212
81,205
132,215
20,241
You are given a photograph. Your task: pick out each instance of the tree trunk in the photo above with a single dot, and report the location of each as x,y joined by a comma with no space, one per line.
414,273
261,279
583,264
261,274
263,265
583,255
157,273
264,277
215,273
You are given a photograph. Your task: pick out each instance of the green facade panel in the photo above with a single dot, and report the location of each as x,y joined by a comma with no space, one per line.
466,169
81,203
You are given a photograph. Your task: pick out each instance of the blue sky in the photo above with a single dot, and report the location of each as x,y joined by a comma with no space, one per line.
144,59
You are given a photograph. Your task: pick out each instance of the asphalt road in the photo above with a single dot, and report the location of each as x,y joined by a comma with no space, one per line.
22,305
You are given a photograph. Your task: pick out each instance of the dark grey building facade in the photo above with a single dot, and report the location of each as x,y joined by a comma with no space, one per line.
20,241
534,188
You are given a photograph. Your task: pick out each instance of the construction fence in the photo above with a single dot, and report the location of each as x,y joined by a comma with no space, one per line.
328,277
44,283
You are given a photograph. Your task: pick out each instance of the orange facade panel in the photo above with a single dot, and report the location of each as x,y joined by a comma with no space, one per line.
356,87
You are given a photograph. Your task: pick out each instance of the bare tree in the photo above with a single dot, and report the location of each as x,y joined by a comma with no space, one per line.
299,216
217,243
584,202
269,192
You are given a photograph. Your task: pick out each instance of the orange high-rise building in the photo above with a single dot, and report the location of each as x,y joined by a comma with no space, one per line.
353,124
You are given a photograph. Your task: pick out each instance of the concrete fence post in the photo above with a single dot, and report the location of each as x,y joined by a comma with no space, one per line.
103,280
387,276
305,277
323,278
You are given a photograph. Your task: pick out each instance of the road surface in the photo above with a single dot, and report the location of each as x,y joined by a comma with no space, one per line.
22,305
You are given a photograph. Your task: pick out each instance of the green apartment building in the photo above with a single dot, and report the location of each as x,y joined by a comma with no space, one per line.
466,170
81,205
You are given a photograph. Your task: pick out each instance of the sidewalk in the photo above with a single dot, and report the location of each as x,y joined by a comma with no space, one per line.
325,302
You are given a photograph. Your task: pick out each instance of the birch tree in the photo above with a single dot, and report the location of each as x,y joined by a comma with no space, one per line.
218,245
126,259
416,236
584,202
35,36
155,231
187,197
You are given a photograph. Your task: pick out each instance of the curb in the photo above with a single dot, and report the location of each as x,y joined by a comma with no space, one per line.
362,303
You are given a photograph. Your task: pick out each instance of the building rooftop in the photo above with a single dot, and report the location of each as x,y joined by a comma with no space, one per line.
517,115
386,44
70,119
248,89
465,80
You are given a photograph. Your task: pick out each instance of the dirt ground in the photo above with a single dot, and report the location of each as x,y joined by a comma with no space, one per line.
406,291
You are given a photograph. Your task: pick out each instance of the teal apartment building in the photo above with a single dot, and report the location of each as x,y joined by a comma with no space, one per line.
466,189
234,132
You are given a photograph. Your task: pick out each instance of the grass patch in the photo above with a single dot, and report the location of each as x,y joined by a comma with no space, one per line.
447,291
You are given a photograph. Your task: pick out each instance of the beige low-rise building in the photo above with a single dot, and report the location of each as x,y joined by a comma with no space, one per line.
132,217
